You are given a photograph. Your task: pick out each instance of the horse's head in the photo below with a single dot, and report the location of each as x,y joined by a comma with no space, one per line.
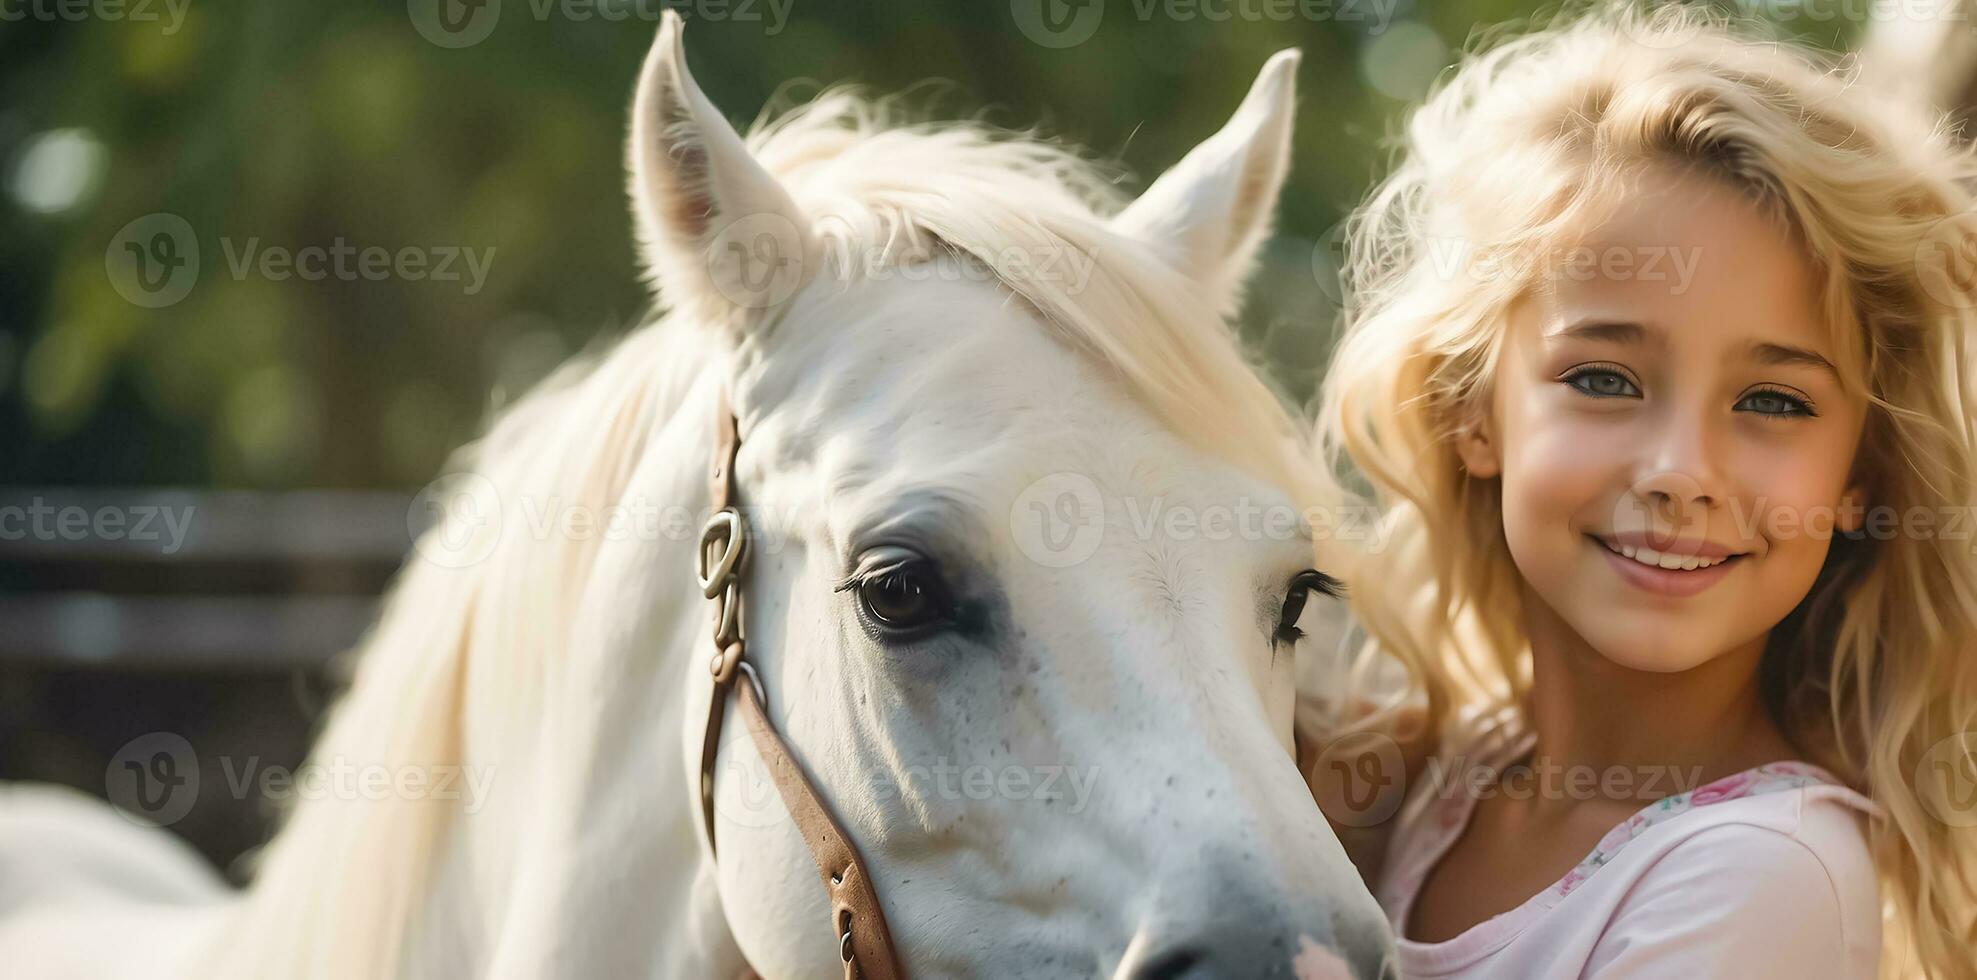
1029,542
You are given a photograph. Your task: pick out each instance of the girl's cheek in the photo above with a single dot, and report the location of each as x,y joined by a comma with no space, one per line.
1794,499
1561,466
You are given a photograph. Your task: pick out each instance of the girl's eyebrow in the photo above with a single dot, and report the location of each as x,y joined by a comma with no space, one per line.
1611,331
1765,352
1757,351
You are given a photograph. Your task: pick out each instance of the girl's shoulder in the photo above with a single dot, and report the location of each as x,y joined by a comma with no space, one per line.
1793,801
1762,854
1793,798
1778,851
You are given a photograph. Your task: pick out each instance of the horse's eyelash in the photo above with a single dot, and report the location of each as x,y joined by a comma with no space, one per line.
860,576
855,579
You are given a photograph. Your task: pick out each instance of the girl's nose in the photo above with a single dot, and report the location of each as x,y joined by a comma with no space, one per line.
1684,464
1674,488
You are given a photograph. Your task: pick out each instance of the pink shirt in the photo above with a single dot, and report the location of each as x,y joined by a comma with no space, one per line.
1765,873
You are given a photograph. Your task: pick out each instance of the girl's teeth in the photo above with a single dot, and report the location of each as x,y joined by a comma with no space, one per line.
1649,556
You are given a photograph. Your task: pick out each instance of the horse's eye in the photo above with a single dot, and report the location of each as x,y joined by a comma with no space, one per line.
1302,585
901,592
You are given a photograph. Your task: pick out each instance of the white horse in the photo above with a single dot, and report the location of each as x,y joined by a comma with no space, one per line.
1028,532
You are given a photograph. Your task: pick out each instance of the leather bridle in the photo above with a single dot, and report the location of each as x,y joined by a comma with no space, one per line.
864,943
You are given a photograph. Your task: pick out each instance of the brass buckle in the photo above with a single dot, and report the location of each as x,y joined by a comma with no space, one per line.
723,529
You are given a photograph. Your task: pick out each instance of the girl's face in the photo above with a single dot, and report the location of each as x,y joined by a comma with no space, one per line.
1673,440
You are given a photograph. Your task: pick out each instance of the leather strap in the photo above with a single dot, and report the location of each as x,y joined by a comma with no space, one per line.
857,920
864,943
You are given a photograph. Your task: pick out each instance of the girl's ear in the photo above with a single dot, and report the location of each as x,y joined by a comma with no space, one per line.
1475,445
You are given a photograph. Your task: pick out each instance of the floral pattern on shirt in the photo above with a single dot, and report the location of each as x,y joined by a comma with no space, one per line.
1451,812
1767,778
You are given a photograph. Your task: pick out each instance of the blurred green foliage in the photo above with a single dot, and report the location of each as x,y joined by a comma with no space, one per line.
289,125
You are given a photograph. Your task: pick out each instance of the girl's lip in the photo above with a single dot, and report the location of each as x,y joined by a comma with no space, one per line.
1672,582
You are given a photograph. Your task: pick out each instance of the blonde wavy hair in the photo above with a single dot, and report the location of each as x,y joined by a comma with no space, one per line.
1874,674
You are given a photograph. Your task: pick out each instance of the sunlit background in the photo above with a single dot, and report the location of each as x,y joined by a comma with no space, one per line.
158,160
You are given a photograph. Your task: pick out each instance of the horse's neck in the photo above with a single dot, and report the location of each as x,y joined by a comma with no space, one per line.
583,849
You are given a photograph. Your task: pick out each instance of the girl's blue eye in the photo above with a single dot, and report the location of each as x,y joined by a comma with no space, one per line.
1774,403
1603,383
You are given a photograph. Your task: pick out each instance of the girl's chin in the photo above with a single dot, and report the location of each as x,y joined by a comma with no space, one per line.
1654,639
1663,660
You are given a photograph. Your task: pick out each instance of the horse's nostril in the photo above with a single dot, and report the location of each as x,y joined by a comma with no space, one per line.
1171,965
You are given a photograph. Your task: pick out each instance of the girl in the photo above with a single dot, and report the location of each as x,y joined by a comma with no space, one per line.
1657,365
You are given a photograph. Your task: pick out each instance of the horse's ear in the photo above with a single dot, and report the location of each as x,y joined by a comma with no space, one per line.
1213,210
717,232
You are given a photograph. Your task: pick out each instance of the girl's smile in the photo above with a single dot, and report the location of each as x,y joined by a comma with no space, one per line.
1684,569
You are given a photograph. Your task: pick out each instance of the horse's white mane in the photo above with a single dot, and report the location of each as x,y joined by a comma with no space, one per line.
873,184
